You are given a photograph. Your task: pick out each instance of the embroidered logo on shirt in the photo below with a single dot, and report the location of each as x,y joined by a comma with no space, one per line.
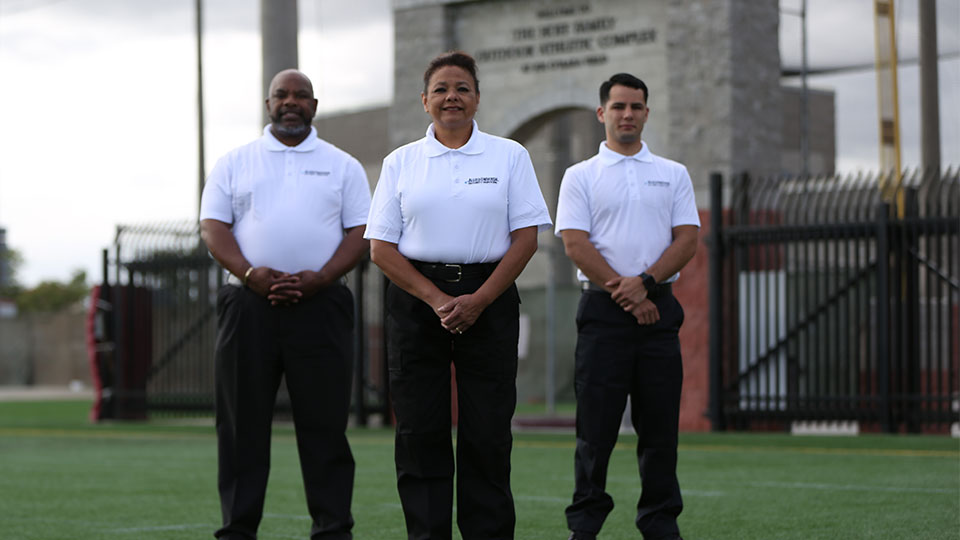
656,183
483,180
308,172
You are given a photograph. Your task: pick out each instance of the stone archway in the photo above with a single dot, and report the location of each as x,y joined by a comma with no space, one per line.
555,139
712,67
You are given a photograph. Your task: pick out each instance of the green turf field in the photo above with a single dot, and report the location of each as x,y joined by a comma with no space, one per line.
61,477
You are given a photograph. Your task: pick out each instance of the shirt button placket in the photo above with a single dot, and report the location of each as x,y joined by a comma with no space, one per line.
632,181
457,177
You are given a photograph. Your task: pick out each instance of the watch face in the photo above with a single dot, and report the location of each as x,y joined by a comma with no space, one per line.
648,281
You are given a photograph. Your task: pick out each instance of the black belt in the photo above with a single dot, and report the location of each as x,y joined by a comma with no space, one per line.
660,290
454,272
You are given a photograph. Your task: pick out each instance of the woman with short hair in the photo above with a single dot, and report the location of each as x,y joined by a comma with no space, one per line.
453,222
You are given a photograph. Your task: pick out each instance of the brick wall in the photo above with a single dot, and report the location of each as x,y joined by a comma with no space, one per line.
692,292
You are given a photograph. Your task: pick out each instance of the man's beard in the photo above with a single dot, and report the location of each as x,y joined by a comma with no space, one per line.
285,130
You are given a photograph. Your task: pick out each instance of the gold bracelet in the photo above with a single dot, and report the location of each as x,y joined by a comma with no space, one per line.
246,275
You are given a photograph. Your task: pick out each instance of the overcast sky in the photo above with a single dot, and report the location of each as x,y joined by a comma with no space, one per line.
99,102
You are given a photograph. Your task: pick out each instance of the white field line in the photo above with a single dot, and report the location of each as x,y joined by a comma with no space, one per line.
566,500
288,516
158,528
851,487
542,498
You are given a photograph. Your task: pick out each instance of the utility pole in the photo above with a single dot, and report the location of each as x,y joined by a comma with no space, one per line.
804,96
278,32
929,89
200,139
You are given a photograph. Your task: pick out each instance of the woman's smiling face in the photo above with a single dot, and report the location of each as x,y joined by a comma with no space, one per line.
451,98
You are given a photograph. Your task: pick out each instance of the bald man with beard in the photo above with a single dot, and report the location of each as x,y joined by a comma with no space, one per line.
285,216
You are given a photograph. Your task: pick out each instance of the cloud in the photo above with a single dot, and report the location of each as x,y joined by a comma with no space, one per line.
91,146
100,121
141,17
99,102
842,33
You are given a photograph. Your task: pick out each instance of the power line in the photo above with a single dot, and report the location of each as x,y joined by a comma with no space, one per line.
790,71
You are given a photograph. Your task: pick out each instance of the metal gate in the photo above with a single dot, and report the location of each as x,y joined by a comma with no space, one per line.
157,327
829,303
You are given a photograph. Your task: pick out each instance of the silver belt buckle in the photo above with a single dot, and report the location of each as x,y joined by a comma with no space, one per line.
459,271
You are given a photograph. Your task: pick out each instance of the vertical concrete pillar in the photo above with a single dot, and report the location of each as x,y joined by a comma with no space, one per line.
724,70
278,33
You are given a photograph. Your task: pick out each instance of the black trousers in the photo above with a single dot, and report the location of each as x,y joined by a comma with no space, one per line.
616,357
257,343
420,352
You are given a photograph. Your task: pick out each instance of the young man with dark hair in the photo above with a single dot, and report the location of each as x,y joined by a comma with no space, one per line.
629,221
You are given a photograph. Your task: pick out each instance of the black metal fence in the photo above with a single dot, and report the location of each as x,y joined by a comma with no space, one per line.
830,301
156,327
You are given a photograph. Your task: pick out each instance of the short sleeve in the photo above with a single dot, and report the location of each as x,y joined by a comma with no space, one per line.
525,204
385,221
684,201
573,205
356,195
216,201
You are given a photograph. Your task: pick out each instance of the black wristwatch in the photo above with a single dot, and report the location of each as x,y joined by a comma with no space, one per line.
649,283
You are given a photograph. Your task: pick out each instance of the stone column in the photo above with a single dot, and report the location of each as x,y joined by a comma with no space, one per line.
724,71
278,33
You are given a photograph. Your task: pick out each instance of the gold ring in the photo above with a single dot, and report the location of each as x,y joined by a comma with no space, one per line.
459,331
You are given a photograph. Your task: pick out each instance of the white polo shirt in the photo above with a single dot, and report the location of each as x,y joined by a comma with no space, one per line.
629,206
448,205
288,205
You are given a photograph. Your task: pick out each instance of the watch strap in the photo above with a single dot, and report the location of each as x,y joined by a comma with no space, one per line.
649,283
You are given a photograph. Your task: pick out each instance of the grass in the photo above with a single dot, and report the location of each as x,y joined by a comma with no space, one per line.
62,477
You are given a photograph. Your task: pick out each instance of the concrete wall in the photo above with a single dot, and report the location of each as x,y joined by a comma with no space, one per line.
44,349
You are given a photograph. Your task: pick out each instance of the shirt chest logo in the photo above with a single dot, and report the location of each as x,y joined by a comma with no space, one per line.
482,180
309,172
657,183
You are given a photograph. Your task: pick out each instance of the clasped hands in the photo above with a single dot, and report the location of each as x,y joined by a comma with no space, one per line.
282,288
630,294
457,314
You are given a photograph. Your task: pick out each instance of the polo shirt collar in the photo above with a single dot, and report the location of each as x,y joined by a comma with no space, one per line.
274,145
436,148
608,157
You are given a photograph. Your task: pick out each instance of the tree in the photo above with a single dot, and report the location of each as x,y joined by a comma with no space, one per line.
10,261
53,295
